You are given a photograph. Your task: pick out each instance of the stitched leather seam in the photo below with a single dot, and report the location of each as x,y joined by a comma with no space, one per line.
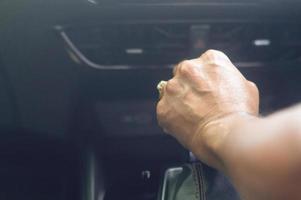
196,181
201,180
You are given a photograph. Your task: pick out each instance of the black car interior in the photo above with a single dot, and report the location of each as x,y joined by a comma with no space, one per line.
78,86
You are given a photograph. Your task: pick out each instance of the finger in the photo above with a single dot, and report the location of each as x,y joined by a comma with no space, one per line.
214,58
161,111
173,87
176,69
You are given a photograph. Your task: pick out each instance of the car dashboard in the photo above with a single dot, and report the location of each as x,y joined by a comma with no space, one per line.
78,86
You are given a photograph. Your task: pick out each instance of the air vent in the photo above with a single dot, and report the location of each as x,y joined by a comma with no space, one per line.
133,44
157,44
258,42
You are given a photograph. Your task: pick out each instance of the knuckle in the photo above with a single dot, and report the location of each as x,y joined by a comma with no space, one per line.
213,52
210,53
185,62
172,86
253,88
213,65
252,85
187,68
214,55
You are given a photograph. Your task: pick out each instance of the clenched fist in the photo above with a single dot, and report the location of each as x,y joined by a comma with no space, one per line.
203,91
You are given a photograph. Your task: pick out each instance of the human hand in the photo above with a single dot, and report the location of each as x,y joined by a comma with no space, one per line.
204,90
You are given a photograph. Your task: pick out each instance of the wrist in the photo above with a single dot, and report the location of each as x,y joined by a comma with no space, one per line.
210,137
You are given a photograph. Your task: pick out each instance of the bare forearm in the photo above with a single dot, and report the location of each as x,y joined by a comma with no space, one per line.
256,153
202,108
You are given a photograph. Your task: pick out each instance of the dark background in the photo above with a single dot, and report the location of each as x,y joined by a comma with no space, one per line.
70,131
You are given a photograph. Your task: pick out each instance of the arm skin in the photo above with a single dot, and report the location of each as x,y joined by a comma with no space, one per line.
212,110
261,156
